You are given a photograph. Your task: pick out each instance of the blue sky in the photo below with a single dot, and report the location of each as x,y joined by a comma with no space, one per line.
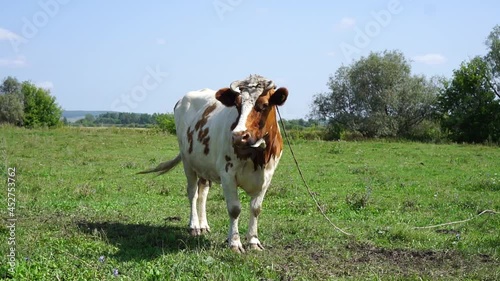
142,56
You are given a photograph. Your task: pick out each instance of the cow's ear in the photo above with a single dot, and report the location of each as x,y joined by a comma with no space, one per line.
226,96
279,96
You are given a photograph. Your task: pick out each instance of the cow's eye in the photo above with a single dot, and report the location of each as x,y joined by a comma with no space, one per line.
263,106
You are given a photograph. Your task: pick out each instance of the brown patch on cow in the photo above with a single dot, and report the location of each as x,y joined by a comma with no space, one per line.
204,117
190,139
203,137
206,142
262,123
202,134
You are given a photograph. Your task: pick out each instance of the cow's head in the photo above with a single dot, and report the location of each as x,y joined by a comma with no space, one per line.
255,99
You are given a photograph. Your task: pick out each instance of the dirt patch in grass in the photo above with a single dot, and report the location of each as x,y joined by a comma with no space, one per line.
408,262
355,260
423,263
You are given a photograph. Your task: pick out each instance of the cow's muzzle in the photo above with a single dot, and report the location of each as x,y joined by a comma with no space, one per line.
244,138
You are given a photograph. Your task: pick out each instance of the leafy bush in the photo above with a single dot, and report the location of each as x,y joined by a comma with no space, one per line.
28,105
313,134
40,108
428,131
351,136
165,123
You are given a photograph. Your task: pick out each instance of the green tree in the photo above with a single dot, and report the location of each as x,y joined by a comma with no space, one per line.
470,111
11,102
145,119
376,96
165,122
11,109
40,108
90,118
493,60
10,85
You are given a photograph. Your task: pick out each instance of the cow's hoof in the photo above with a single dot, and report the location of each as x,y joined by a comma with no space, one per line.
194,231
256,246
238,249
205,230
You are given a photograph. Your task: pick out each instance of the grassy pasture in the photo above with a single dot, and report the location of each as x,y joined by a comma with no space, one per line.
83,213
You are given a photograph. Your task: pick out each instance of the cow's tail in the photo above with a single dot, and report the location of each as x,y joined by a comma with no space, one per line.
165,166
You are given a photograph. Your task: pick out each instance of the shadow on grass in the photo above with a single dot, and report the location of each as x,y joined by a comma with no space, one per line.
141,241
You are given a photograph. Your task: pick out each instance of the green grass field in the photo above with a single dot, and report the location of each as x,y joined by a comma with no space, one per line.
83,214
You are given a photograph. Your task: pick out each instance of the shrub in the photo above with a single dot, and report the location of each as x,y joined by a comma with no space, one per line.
165,123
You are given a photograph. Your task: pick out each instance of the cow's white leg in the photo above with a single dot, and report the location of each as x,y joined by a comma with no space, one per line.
233,208
192,191
255,209
203,188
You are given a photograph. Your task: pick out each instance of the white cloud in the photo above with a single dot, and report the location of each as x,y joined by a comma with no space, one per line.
48,85
431,59
161,41
345,23
19,61
8,35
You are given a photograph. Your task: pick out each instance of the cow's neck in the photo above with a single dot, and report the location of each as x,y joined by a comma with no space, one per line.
274,141
274,144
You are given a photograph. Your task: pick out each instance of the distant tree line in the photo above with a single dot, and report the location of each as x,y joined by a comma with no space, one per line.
117,118
378,96
162,121
25,104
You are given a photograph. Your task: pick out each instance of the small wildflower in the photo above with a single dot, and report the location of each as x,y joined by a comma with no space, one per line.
26,258
115,272
101,259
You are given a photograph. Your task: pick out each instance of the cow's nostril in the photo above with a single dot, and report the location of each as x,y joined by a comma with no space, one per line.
241,137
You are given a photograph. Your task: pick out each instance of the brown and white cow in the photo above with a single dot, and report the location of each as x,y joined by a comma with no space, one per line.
230,137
